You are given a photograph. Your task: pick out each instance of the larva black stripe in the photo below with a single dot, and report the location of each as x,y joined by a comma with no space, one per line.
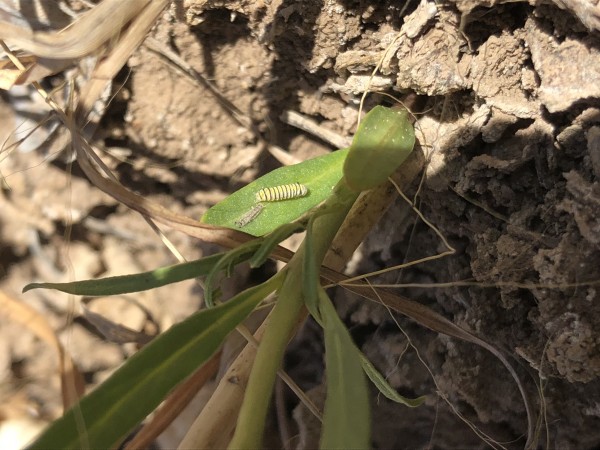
281,192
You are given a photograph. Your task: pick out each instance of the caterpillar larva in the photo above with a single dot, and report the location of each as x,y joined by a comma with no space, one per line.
250,215
281,192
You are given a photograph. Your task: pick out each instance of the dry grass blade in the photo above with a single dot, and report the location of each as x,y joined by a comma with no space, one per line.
72,384
301,122
85,154
11,75
112,331
222,236
214,426
131,38
83,37
55,51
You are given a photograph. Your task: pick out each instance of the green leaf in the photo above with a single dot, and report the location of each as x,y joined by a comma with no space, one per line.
310,275
384,139
384,387
346,420
125,284
319,175
115,407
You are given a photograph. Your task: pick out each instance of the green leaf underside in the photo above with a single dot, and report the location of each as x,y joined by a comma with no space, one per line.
319,175
141,383
383,141
125,284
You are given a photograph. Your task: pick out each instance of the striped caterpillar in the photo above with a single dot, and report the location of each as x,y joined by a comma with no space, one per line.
281,192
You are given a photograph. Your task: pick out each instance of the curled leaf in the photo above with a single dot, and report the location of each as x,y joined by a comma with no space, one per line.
382,142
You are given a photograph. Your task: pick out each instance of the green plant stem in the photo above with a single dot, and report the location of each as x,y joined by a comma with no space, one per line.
282,321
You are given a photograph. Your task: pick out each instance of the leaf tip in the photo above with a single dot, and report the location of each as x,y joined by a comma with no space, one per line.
31,286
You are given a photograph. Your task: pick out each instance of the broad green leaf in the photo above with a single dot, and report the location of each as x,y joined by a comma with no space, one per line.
125,284
115,407
346,420
384,387
384,139
319,175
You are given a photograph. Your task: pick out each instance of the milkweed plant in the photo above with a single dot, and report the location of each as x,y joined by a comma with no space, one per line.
314,196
